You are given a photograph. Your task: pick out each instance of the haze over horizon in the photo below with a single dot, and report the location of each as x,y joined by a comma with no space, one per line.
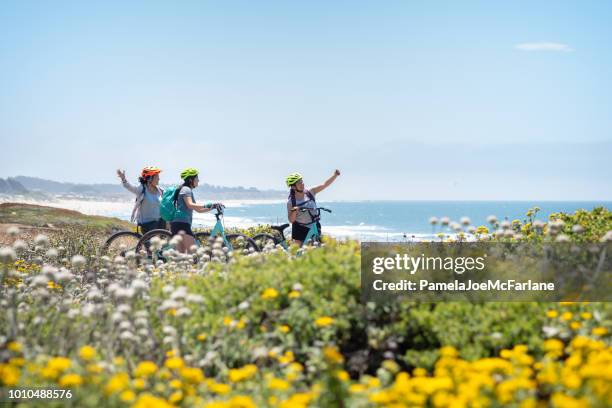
439,101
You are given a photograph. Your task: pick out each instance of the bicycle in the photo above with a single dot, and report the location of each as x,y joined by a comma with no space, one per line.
313,234
231,241
120,243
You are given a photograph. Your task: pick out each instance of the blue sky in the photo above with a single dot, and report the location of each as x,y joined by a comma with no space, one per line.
411,100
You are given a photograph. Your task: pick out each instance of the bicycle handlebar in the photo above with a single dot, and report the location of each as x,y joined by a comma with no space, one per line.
318,208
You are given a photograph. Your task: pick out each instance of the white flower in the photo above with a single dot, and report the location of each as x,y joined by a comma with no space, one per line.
444,220
119,260
73,313
169,330
607,237
52,253
183,312
433,220
297,286
39,281
7,254
537,224
125,325
179,294
167,289
123,308
64,276
78,261
194,298
139,285
578,229
20,245
130,255
124,293
168,304
87,309
141,322
41,240
49,271
465,221
491,219
141,314
13,231
244,305
127,336
562,238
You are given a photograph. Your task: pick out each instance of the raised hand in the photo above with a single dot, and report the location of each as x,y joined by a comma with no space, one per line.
121,174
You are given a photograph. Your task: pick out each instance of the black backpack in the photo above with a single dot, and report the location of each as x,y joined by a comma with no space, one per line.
292,196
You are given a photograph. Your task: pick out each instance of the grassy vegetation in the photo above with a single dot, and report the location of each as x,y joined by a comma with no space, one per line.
43,216
277,330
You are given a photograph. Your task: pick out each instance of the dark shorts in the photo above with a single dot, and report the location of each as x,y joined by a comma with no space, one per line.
149,226
299,231
176,227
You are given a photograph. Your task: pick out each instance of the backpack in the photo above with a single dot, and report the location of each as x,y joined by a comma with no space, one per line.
307,192
168,208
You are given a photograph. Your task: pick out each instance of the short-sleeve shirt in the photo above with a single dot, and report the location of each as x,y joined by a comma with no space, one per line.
304,217
184,214
149,207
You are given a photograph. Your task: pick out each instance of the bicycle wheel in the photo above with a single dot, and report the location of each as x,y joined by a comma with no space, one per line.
145,241
239,242
263,239
120,243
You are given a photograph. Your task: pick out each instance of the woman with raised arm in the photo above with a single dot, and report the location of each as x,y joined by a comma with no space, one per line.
303,198
148,197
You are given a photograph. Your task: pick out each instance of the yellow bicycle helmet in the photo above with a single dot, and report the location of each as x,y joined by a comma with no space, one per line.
293,178
189,172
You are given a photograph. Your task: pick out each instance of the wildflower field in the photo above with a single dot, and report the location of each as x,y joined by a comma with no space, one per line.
272,329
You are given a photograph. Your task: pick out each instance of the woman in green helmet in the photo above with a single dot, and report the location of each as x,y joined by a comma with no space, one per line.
185,204
299,198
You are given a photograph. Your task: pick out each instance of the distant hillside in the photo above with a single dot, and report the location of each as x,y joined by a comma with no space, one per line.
12,186
24,185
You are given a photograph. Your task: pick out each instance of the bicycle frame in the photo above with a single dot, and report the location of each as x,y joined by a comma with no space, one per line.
219,230
313,232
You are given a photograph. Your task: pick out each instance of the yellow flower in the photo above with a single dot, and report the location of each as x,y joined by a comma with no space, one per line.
567,316
575,325
269,293
17,361
278,384
324,321
342,375
227,321
286,358
295,367
241,401
59,363
552,314
586,315
599,331
357,388
147,400
294,294
139,384
70,380
145,369
175,397
332,355
449,352
284,328
553,345
127,396
243,373
117,383
94,368
14,346
419,372
219,388
9,375
241,323
176,383
174,363
201,337
119,361
192,375
87,353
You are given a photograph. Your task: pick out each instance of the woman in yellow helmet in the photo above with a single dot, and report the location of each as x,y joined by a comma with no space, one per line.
148,198
299,198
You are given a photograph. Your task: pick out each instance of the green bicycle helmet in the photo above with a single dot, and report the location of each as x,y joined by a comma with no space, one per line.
293,178
189,172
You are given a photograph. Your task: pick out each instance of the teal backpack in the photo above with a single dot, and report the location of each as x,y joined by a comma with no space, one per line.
168,208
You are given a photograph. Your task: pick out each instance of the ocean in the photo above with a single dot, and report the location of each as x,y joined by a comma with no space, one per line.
363,220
